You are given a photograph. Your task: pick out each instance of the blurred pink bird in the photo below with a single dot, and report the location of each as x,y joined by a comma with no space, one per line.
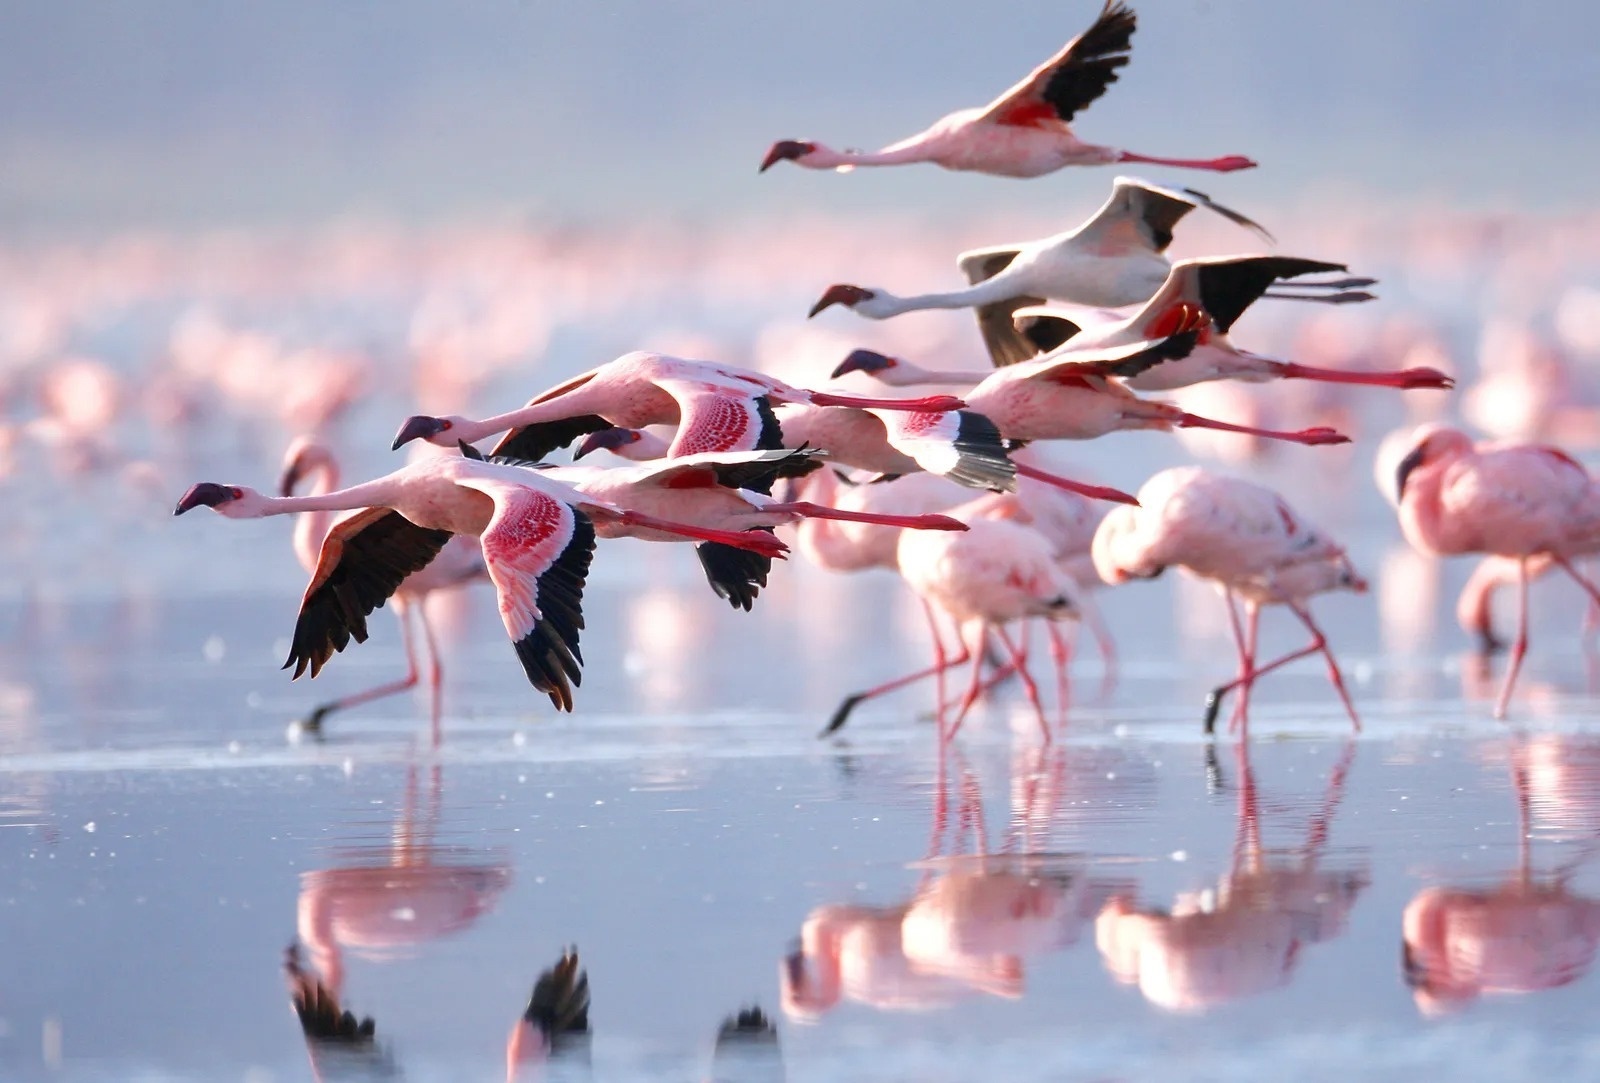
1523,501
1024,132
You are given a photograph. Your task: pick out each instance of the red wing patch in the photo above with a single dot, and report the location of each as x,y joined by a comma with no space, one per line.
1030,114
1068,378
718,423
921,423
1182,316
703,478
1557,453
1287,516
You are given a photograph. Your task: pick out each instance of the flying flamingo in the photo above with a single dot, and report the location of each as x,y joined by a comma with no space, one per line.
1246,539
996,573
716,408
1024,132
1069,395
459,562
537,536
1524,501
556,1020
1114,259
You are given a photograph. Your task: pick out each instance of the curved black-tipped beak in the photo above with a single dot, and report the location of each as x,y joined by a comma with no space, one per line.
1403,471
862,361
292,473
206,494
608,439
785,150
846,295
417,427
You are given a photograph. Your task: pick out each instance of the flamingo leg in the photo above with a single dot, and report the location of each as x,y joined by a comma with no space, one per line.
974,686
1406,379
1246,659
756,541
1334,674
1020,660
1093,492
1226,164
809,510
842,714
940,664
1252,635
1319,644
1310,437
313,721
1519,647
931,404
1579,578
435,671
1061,655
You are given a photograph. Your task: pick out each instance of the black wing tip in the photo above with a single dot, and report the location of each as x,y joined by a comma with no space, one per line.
550,654
736,575
982,461
559,1003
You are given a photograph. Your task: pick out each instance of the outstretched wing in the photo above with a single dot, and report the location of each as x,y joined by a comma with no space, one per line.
534,442
1074,77
1139,214
755,470
1228,287
363,560
538,550
1125,361
718,419
1005,346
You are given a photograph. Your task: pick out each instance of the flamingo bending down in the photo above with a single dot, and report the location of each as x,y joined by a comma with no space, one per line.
1069,395
716,408
537,537
1246,539
1024,132
1114,259
459,562
1523,501
711,491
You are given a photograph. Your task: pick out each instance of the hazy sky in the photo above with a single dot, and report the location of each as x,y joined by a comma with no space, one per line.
193,111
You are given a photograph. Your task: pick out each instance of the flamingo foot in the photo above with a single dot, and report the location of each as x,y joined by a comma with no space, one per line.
1315,436
1411,379
1093,492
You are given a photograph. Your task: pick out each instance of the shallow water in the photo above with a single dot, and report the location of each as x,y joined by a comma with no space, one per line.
1132,902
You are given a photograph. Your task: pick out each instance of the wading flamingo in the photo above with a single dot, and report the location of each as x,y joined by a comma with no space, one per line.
1024,132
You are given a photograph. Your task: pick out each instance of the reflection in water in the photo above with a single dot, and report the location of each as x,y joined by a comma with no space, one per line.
340,1045
1243,936
977,915
1532,931
383,902
554,1028
747,1050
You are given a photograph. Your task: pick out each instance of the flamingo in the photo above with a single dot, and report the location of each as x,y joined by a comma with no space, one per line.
716,408
1024,132
712,490
458,563
1114,259
996,573
1528,502
556,1020
1250,542
537,537
1069,395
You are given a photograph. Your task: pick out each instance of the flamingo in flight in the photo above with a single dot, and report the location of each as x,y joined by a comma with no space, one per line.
1250,542
716,408
1532,503
459,562
537,537
712,490
1116,258
1025,132
1070,394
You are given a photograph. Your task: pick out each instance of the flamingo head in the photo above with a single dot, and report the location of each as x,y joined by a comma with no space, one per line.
303,456
842,294
442,431
615,440
1432,443
786,150
873,364
233,501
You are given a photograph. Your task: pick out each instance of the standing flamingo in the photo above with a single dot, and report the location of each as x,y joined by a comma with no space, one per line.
1524,501
1245,538
1116,258
1024,132
459,562
716,408
537,537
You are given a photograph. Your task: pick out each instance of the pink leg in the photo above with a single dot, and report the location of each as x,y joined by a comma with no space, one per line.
1246,658
909,522
757,541
435,671
1577,577
939,661
1226,164
1310,437
842,714
1094,492
1061,655
974,686
1519,648
930,404
1319,644
1334,675
1404,379
1020,660
313,721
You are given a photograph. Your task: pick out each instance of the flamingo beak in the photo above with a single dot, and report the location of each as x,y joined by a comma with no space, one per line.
862,361
610,439
785,150
1403,471
418,426
291,476
207,494
846,295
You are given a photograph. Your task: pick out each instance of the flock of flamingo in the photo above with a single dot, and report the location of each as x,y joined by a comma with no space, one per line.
947,487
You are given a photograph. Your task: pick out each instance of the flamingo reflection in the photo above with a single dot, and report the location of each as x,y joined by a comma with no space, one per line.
340,1045
747,1050
555,1024
1242,937
968,927
1532,931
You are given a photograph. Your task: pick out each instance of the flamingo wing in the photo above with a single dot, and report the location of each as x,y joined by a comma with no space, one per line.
1005,345
1154,212
1228,287
1044,327
538,550
1125,361
533,442
1073,78
363,560
718,419
754,470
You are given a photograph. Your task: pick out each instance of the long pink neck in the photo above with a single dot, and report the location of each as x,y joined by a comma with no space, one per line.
581,400
382,493
907,150
312,526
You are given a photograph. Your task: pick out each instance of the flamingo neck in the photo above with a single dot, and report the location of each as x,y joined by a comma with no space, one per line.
985,292
372,494
312,526
577,401
909,150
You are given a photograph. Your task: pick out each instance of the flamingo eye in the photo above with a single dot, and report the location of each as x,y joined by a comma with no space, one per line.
235,493
446,426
